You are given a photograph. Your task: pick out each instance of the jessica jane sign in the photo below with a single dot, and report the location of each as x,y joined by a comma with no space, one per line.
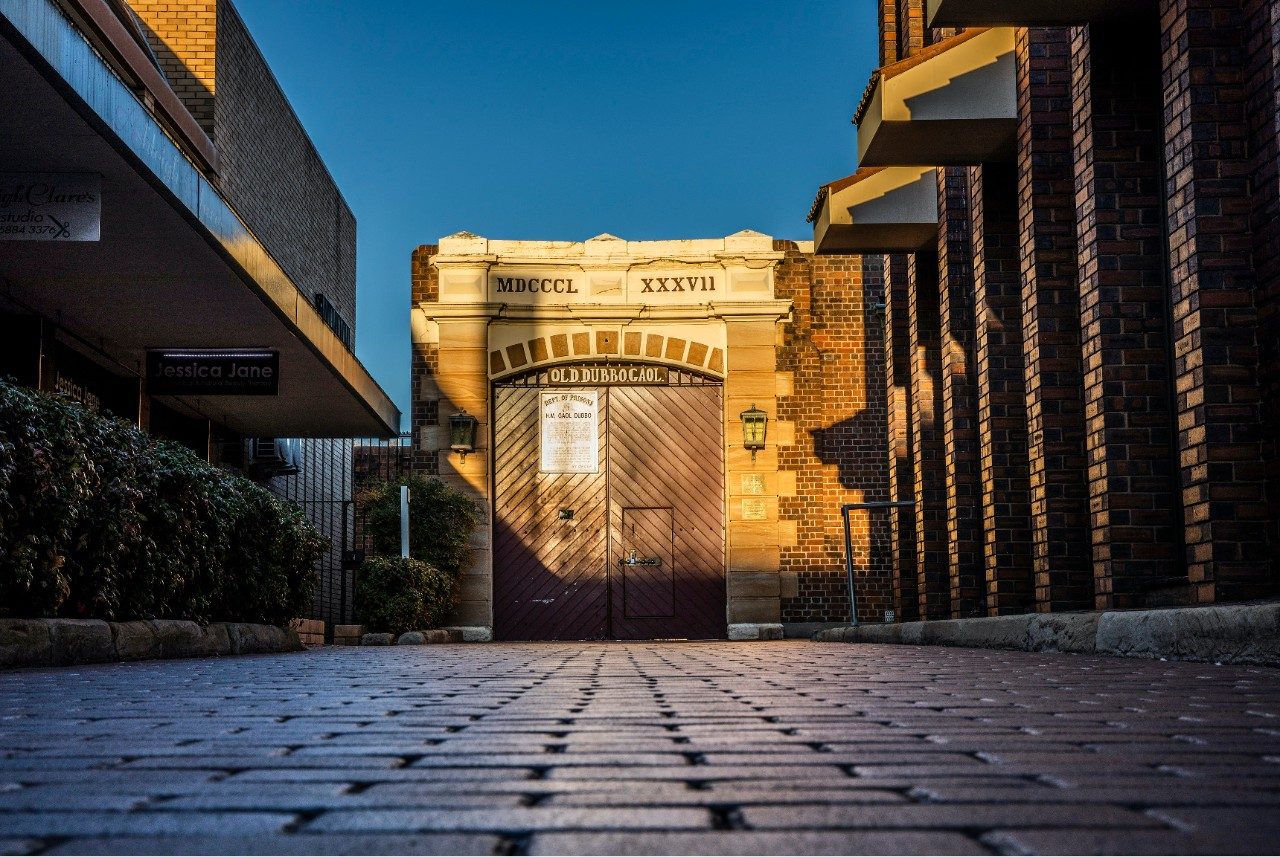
50,206
569,432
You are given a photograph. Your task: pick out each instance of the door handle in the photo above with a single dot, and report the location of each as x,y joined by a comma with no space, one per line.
632,559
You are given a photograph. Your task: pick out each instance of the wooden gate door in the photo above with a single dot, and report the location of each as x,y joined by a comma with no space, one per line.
633,551
549,575
666,489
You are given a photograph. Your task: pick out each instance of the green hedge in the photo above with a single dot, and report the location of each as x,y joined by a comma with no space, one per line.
404,594
397,595
100,520
442,520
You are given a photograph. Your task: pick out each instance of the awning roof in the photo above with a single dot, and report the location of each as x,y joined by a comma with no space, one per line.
952,104
175,267
1031,13
877,210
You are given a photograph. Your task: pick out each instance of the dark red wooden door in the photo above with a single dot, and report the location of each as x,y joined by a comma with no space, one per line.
549,576
563,562
666,487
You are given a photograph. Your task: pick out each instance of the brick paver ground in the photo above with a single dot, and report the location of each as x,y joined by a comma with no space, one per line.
785,747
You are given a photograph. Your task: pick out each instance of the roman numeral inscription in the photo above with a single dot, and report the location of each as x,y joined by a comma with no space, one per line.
677,284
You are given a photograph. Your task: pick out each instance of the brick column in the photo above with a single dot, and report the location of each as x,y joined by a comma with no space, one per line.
959,392
1002,398
910,27
1264,114
888,32
928,452
897,356
1135,533
1215,321
1051,322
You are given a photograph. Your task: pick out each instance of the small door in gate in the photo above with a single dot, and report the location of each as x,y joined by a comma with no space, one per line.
648,581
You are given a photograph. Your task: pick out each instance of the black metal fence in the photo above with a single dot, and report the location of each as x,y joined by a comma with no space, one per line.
331,475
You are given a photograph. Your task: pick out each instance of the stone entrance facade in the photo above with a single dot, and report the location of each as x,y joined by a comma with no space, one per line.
761,320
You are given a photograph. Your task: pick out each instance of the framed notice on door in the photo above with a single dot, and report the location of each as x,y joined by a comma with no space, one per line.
569,431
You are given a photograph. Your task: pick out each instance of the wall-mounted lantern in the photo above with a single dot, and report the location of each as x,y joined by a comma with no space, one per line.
754,425
462,433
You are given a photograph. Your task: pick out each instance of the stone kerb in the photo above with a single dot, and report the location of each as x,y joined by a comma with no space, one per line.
64,642
1237,633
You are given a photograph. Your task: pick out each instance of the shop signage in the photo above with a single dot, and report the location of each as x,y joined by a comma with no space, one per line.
50,206
569,436
213,372
591,375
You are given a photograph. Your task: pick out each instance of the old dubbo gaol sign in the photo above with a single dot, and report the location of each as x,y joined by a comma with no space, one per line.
50,206
569,433
221,372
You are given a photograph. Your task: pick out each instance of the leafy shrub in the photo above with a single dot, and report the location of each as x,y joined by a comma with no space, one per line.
441,522
404,594
100,520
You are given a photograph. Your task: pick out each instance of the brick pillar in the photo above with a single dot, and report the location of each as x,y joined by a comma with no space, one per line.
1215,321
959,393
1051,322
897,354
1135,533
1264,113
888,32
927,450
910,27
1002,397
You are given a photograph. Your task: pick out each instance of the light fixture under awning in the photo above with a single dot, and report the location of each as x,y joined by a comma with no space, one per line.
878,210
953,104
1032,13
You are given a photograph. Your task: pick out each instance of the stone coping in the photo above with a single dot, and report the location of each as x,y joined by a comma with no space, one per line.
63,642
1234,633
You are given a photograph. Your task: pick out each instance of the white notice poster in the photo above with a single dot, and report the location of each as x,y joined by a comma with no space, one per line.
570,433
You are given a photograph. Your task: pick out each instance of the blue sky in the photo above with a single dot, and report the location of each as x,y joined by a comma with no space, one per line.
562,119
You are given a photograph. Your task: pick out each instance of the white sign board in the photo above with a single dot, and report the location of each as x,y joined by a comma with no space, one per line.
570,432
50,206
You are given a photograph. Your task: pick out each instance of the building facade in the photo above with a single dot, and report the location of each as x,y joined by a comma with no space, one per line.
1076,205
610,381
172,248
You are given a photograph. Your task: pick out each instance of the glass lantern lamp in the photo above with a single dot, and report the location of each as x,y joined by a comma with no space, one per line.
755,424
462,433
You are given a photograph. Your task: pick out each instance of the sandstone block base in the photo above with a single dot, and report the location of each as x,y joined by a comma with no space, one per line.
1232,633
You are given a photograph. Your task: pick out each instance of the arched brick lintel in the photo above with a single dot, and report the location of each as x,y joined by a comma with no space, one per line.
606,344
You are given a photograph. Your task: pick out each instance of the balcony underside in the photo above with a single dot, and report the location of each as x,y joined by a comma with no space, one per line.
953,105
893,210
1032,13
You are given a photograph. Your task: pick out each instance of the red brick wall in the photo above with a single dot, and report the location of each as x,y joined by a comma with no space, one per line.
897,356
1135,531
1214,316
959,393
933,585
833,348
1264,119
1051,322
1002,397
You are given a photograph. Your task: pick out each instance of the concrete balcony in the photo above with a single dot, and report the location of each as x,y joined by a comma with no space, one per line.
1032,13
952,104
877,210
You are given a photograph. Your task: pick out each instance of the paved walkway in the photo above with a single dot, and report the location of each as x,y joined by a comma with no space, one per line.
788,747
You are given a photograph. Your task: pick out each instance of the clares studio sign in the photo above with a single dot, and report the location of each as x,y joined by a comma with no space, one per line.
221,372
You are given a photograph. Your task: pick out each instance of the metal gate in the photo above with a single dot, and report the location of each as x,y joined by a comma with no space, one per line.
634,550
